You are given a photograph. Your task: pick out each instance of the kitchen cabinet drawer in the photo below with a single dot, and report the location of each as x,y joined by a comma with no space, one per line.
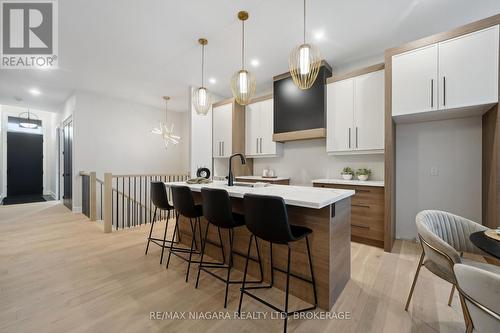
367,213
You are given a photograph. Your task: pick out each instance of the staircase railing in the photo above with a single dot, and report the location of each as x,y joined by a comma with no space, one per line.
121,201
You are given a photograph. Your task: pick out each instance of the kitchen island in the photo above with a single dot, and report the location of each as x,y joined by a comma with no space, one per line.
326,211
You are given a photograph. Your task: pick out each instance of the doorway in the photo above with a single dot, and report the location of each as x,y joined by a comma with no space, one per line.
68,163
24,164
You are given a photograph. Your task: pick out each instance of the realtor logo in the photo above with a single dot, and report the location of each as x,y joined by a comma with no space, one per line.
29,34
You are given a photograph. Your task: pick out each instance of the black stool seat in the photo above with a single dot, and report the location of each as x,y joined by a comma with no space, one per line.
267,218
217,210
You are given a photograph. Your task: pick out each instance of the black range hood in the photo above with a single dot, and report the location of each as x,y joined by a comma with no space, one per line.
300,114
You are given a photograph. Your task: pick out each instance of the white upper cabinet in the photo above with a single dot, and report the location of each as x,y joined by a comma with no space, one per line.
468,69
259,127
369,111
414,81
340,115
252,123
454,74
222,130
355,115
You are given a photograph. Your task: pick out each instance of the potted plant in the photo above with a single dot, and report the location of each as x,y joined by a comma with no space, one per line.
347,173
363,173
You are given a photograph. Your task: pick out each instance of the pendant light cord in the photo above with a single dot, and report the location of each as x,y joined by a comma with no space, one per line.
243,44
166,111
202,63
304,21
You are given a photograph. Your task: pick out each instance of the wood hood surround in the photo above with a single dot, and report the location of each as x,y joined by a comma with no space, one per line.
301,124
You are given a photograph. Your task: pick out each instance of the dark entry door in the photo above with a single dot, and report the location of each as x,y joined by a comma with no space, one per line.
24,164
68,164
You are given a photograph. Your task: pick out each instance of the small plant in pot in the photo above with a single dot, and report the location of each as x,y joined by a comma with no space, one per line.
363,174
347,173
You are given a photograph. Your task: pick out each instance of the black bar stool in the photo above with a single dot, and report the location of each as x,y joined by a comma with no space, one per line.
159,198
185,206
266,218
218,211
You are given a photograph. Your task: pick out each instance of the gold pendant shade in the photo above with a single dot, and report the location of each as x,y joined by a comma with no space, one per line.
243,82
304,62
202,98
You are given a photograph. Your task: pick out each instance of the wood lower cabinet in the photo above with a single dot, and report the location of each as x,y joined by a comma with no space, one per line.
367,213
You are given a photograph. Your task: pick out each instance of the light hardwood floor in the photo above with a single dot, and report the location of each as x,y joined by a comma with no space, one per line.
60,273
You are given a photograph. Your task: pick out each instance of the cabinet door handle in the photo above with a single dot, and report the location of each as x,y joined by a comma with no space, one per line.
432,93
359,226
257,145
261,145
223,148
349,134
444,90
362,190
356,136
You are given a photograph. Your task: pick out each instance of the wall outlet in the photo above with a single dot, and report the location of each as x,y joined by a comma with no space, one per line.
434,171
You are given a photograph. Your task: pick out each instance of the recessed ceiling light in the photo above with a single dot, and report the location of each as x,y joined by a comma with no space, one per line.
212,80
319,34
255,62
35,91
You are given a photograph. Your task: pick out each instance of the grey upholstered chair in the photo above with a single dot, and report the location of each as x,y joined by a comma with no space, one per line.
481,291
444,236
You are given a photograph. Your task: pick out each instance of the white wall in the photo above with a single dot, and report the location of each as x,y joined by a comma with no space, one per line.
49,124
453,148
113,135
306,160
200,151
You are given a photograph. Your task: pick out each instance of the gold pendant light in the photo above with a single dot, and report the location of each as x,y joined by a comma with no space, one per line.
202,99
304,62
243,81
166,132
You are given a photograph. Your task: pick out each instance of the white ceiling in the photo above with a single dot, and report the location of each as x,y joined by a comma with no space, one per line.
141,50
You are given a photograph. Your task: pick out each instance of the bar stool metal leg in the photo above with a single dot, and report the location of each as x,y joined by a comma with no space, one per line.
230,264
312,273
165,237
202,254
287,287
151,230
172,242
245,274
193,241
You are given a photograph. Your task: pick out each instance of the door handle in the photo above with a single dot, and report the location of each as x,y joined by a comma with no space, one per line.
356,136
444,90
432,93
349,134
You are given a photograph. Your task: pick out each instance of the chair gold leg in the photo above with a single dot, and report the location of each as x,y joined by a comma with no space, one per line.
467,319
414,280
451,294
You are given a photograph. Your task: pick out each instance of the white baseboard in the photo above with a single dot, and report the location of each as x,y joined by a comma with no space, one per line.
77,210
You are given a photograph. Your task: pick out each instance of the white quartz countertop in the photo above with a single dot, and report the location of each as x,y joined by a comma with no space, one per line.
262,178
301,196
378,183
